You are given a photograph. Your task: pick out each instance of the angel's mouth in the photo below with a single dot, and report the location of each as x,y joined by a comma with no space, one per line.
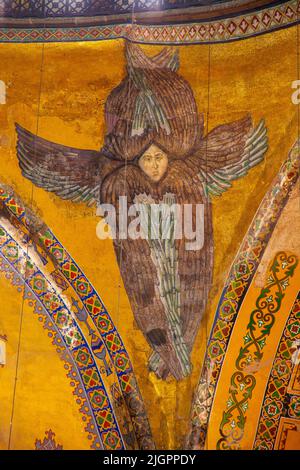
156,176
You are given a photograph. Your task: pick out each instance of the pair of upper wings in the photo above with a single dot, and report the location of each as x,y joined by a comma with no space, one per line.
225,154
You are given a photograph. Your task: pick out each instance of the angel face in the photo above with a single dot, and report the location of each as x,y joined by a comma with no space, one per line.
154,163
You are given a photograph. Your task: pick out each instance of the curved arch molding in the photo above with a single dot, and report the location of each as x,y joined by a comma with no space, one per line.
255,334
232,27
83,333
281,404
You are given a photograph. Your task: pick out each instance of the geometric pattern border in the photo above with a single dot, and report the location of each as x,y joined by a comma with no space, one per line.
93,309
261,321
69,8
239,279
121,9
201,32
69,364
38,288
279,401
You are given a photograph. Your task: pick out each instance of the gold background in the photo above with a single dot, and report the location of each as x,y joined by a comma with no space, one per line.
65,104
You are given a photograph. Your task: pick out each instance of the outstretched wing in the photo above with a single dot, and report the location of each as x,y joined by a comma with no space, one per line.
167,58
148,110
68,172
228,153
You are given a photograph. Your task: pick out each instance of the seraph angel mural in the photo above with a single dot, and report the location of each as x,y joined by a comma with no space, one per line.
154,150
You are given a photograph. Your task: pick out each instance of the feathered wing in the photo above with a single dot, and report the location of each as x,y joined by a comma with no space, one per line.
147,108
228,153
167,58
193,268
70,173
165,254
150,110
166,284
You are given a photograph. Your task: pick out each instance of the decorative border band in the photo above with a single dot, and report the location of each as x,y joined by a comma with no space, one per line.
126,9
40,293
261,321
237,284
201,32
278,401
106,339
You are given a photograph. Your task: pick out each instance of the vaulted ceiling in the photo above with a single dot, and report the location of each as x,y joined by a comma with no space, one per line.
120,10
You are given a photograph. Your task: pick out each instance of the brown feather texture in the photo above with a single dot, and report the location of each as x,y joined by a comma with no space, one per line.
167,284
70,173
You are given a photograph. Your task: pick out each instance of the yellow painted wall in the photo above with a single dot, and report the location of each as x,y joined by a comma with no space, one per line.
43,397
